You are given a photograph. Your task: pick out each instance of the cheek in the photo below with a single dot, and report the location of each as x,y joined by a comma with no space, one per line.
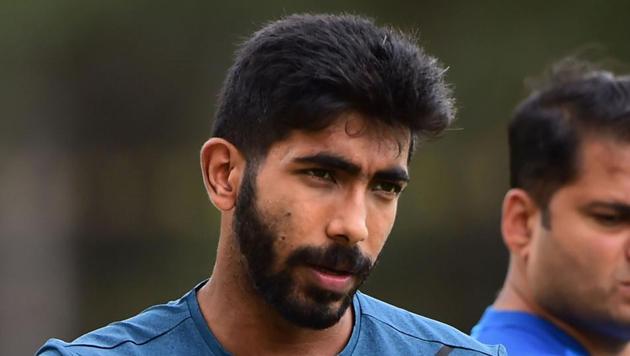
292,222
589,250
581,245
572,260
380,224
551,272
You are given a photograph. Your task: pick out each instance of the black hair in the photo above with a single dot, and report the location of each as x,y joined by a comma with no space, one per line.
548,127
301,72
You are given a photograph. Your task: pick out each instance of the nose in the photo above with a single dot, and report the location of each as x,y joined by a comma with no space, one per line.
348,224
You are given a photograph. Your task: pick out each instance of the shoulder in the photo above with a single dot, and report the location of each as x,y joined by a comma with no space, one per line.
131,336
524,334
391,324
519,341
515,330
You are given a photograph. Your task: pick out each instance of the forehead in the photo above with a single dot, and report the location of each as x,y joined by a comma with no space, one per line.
351,135
604,167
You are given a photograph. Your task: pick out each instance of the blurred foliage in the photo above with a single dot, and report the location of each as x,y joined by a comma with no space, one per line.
125,91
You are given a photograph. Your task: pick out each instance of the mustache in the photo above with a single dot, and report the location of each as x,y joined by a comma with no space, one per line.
336,257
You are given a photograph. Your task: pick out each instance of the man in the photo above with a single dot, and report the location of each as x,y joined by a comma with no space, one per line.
316,123
566,220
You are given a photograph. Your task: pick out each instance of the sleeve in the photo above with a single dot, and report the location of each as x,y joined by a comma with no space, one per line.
54,347
502,351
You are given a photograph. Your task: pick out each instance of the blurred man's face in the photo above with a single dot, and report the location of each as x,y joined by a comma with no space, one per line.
579,268
312,218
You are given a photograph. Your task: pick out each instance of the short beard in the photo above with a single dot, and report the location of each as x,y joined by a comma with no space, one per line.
597,325
256,239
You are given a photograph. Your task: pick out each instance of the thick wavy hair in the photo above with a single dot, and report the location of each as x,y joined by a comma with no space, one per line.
303,71
545,133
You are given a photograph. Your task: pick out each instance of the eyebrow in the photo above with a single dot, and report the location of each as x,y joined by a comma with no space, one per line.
332,161
396,174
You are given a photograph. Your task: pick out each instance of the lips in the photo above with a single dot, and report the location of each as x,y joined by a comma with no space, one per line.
336,280
337,270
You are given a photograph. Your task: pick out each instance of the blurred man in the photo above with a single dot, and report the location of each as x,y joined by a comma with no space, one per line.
566,220
316,123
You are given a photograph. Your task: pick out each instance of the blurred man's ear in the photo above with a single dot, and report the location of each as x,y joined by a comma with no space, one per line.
222,167
519,215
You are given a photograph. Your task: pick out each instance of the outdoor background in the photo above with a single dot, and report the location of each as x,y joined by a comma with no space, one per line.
105,104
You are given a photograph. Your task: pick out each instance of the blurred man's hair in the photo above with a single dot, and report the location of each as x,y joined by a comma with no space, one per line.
303,71
576,100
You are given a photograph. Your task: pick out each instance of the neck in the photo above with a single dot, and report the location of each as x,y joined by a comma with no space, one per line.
231,307
514,296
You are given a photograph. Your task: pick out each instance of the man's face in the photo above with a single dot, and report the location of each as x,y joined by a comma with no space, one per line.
580,266
312,218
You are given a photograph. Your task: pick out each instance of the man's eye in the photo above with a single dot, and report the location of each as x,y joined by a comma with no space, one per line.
608,219
320,173
388,187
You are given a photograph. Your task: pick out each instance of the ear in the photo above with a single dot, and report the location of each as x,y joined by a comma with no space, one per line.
222,167
519,215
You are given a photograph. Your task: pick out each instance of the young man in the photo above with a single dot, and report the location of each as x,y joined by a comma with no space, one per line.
566,220
315,127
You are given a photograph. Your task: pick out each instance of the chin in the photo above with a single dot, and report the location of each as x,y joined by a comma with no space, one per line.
317,311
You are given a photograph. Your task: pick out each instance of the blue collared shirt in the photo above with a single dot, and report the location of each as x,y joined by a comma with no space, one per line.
178,328
525,334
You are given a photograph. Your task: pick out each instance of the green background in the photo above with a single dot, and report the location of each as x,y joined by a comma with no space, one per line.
104,106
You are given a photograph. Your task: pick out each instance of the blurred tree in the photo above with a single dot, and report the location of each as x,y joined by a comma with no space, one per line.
104,106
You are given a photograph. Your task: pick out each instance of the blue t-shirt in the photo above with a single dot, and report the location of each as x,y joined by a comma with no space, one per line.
178,328
525,334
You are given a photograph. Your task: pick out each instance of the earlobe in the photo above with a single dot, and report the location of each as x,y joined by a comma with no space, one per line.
518,212
221,167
